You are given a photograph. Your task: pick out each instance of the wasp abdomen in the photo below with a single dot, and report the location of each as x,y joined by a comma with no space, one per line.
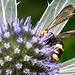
56,54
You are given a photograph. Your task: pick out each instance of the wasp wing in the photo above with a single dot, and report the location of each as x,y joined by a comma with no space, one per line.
51,12
65,14
66,34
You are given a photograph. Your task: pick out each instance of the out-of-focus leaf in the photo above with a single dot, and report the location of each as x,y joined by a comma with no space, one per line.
51,12
8,9
67,68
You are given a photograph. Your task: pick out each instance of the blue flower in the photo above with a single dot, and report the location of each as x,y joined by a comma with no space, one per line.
8,72
17,51
1,62
19,40
23,50
17,29
26,71
18,65
7,45
7,34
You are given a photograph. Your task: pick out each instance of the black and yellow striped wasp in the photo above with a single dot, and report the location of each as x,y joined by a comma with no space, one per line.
65,14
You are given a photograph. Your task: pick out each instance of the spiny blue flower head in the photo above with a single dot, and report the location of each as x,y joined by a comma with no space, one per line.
22,51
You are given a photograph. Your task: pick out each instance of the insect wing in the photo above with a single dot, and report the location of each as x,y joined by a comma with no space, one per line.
65,14
66,34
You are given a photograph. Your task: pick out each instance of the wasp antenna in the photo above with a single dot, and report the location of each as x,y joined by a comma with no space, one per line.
48,2
19,2
73,13
47,30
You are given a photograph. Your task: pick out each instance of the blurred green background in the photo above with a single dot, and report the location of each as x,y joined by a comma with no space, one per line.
35,9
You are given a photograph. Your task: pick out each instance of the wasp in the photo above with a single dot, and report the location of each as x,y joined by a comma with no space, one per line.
65,14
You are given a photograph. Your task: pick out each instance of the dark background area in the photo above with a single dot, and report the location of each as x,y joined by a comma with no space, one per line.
35,9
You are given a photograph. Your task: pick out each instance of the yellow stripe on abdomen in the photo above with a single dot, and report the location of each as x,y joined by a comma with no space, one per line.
55,56
59,46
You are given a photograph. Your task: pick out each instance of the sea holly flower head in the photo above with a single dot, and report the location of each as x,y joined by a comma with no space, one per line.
22,49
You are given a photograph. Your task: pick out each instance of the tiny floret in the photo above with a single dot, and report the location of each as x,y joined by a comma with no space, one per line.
0,50
1,62
34,73
17,29
28,45
7,45
37,51
5,28
0,71
34,39
18,65
19,40
15,24
7,34
0,39
8,72
0,33
25,28
8,58
34,61
17,51
26,58
26,71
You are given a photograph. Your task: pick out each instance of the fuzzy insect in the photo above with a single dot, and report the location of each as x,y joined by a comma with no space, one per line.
65,14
